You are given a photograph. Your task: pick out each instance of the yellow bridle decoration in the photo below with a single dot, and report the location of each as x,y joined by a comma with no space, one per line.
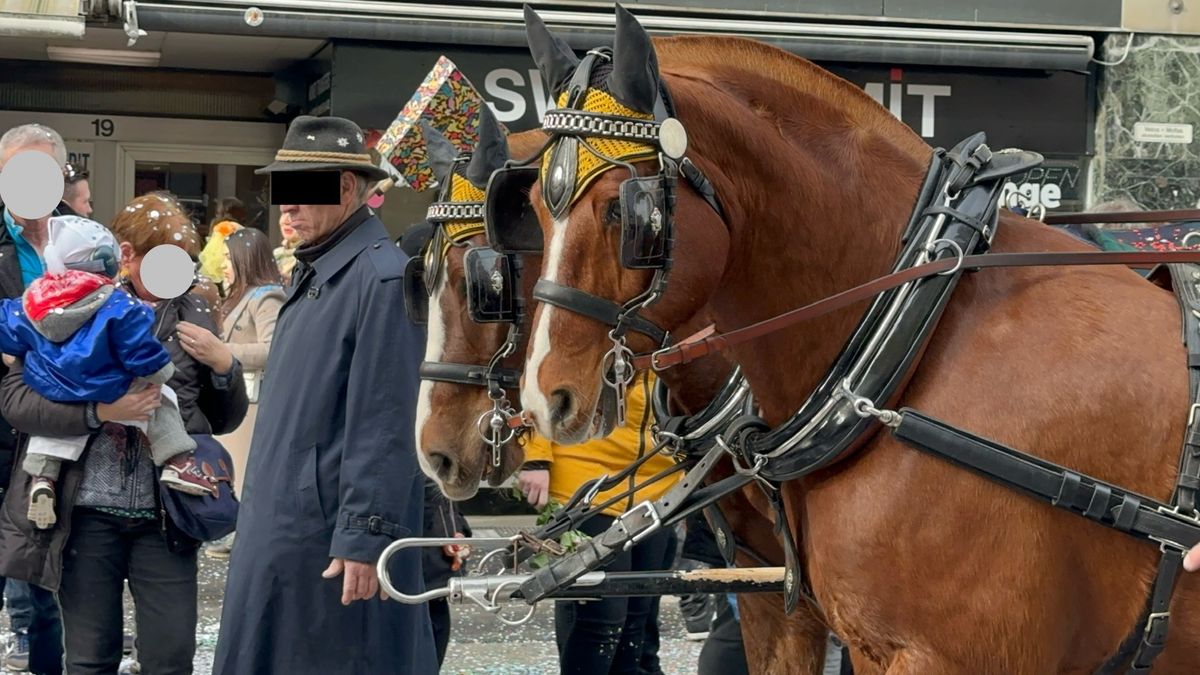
461,192
589,166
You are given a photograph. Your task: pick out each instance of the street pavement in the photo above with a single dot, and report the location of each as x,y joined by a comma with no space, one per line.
480,644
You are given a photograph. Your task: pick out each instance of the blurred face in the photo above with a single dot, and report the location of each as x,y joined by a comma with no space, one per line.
315,222
79,198
131,265
38,147
227,269
286,229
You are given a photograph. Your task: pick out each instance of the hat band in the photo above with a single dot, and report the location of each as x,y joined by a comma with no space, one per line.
318,156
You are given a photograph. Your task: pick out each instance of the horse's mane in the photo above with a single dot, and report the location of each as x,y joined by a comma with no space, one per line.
727,60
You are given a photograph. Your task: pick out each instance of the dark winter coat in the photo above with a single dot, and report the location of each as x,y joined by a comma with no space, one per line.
11,286
34,555
332,473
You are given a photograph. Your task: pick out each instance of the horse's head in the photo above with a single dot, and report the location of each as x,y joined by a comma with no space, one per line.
609,203
466,332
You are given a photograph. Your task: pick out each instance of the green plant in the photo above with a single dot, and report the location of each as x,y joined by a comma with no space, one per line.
568,540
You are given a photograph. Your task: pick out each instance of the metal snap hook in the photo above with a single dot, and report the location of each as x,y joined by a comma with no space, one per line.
495,605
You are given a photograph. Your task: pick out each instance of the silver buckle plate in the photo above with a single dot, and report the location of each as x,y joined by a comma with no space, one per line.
655,523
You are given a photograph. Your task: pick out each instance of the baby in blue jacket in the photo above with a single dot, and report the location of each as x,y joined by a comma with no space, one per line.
82,339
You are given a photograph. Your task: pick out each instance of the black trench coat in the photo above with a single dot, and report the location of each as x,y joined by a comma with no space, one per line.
332,472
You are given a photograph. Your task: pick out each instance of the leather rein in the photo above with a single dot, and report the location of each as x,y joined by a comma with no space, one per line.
708,341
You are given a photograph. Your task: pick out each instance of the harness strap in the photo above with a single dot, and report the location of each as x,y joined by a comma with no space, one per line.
686,497
467,374
594,307
1092,498
1156,622
701,184
707,342
965,218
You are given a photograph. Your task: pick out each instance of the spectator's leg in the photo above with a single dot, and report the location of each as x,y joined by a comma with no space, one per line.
42,466
94,568
651,641
20,609
164,588
589,633
654,553
167,435
45,633
651,638
439,615
723,652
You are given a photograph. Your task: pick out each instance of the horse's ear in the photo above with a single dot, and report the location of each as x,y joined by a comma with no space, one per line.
441,152
634,78
553,57
491,152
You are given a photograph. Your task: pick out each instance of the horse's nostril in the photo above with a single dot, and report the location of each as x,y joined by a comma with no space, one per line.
561,405
441,464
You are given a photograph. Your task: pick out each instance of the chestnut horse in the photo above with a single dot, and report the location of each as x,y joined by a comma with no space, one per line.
454,455
921,567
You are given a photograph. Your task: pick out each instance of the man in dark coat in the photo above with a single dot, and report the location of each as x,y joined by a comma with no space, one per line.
332,477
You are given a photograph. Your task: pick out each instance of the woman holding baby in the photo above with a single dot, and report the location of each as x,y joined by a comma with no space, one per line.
110,526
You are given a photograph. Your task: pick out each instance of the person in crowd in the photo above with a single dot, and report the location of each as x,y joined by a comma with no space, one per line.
229,209
117,531
442,520
54,327
77,193
723,652
248,315
21,242
608,635
285,253
212,257
332,477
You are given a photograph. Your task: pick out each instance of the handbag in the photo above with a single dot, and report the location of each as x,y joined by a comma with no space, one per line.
205,517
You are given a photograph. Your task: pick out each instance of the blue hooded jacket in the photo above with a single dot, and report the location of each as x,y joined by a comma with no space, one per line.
98,362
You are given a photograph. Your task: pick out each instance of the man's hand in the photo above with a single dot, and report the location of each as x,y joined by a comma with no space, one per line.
134,406
535,485
1191,563
360,581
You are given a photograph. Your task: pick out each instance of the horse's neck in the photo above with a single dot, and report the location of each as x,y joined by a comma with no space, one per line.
822,213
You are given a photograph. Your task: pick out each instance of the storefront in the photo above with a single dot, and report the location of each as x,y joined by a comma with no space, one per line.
1051,112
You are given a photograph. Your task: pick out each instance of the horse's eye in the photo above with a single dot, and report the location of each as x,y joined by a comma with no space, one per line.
612,212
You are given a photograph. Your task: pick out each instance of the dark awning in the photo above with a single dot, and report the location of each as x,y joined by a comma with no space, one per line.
489,25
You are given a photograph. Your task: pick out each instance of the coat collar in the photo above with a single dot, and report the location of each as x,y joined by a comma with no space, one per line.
367,230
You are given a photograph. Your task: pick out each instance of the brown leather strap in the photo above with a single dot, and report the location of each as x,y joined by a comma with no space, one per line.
1122,217
708,341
